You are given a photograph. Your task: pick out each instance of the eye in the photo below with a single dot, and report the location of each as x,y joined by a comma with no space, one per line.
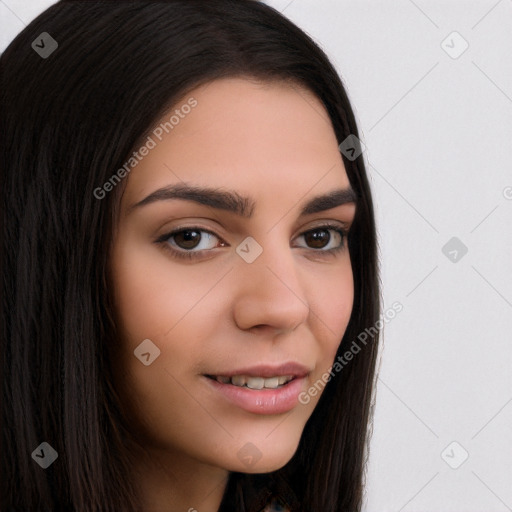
320,237
192,242
182,240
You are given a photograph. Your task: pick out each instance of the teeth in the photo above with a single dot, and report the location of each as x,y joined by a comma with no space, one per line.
282,379
255,382
238,380
273,382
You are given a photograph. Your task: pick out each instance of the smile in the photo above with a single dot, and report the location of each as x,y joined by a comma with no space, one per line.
259,399
254,382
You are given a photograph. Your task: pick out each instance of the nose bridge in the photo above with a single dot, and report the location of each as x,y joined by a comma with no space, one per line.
269,290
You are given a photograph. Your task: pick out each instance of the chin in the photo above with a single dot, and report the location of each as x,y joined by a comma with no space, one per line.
267,467
262,456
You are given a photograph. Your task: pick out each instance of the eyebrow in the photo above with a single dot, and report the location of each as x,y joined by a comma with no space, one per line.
242,206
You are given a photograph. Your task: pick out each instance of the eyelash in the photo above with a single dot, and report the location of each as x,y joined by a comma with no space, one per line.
191,255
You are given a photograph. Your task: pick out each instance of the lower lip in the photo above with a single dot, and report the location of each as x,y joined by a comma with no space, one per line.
261,401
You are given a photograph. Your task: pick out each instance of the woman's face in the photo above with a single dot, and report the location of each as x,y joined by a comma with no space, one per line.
233,289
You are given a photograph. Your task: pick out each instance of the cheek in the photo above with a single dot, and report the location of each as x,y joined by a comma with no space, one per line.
331,307
154,301
152,295
329,318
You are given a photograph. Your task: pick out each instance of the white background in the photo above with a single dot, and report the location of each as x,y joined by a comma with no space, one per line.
438,136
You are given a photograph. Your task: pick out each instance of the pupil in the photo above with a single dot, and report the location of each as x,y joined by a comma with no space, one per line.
188,236
318,237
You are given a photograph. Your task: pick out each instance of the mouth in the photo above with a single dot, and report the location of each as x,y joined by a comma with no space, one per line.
256,383
258,399
262,389
262,376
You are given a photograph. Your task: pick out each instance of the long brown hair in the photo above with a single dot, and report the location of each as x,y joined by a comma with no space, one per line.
69,120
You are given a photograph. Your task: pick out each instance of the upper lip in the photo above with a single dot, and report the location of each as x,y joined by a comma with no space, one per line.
266,370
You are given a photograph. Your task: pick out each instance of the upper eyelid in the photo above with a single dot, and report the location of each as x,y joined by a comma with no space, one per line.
330,224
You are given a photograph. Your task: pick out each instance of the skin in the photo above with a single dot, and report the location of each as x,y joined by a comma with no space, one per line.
274,142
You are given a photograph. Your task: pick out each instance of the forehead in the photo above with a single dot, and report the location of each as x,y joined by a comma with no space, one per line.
244,134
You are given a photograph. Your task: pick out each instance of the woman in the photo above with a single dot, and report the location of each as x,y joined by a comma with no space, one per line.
187,257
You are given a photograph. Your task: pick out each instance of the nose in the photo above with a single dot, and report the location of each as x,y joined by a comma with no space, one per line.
269,292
